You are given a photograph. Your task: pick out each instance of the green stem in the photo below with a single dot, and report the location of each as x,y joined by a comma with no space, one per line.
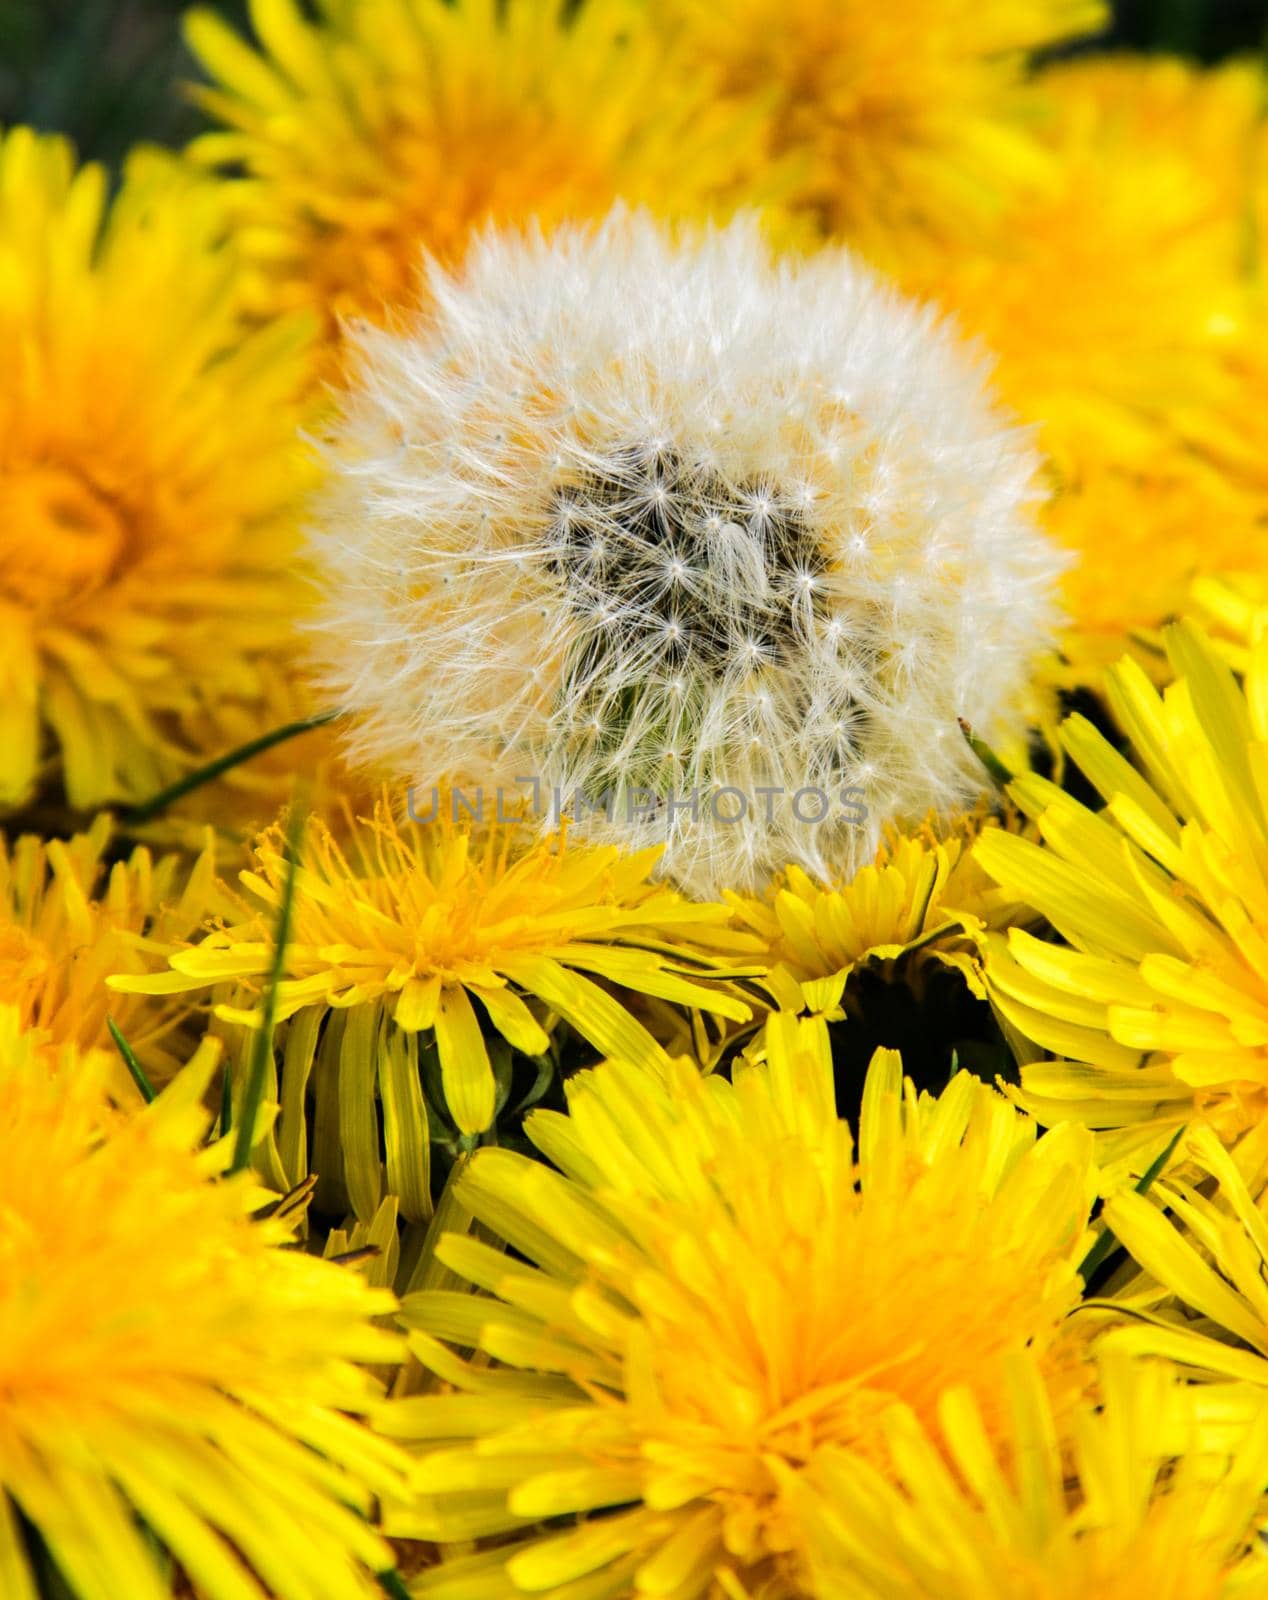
226,1101
262,1043
150,808
998,771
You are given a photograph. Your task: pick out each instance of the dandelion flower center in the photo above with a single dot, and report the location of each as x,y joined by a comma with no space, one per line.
695,575
834,1304
648,539
60,538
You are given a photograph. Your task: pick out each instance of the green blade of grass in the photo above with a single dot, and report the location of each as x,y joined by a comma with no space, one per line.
150,808
148,1091
1106,1241
262,1043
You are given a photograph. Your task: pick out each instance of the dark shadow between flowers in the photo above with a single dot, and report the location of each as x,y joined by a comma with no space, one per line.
938,1025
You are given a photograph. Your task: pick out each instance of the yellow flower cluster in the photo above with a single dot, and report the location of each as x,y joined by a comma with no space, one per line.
462,1206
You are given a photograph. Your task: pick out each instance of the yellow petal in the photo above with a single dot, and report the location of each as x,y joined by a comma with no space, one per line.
470,1092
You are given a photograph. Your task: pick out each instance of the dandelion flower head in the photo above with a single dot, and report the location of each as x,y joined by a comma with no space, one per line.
377,128
1153,1002
908,122
149,468
69,919
1118,304
424,918
167,1356
924,895
640,515
715,1287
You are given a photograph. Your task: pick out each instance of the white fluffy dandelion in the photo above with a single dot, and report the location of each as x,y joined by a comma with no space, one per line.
713,548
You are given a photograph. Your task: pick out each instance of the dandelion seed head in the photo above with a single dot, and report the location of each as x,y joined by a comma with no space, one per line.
643,580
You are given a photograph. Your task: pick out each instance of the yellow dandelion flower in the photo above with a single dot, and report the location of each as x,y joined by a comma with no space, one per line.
1134,1510
1116,302
68,920
1156,998
1141,537
906,119
1233,608
148,470
414,920
924,895
1110,303
1204,1244
393,127
167,1356
716,1284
